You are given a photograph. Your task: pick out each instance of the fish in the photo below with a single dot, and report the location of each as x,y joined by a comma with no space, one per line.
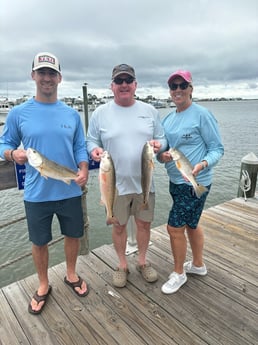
49,168
107,184
186,168
147,166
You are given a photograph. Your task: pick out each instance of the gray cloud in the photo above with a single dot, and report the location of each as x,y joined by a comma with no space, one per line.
216,41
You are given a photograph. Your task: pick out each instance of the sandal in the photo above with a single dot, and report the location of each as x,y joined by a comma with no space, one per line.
39,299
74,285
148,272
120,277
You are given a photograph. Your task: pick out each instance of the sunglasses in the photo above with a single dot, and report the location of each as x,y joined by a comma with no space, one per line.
184,85
119,81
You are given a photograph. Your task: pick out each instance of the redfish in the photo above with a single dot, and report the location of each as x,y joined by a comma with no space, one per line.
186,168
107,184
49,168
147,163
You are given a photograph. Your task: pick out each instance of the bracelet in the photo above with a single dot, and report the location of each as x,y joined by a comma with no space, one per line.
11,155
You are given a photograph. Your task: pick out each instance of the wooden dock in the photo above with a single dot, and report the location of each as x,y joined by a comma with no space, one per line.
220,308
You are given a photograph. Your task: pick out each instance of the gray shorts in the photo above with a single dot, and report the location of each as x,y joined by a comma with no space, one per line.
130,205
40,215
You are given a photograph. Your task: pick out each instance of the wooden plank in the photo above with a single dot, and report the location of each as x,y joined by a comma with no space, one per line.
185,304
10,330
220,308
152,323
33,326
97,318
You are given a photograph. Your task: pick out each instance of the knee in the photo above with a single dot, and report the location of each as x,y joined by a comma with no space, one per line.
119,229
175,233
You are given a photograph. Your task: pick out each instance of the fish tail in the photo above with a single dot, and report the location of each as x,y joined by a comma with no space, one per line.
200,190
112,220
144,205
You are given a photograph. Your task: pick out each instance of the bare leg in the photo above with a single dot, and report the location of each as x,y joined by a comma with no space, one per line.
196,239
119,236
71,248
40,258
178,246
143,239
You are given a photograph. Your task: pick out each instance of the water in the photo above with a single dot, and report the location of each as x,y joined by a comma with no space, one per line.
239,129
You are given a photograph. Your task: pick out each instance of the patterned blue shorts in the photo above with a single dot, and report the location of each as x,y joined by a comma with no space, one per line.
186,208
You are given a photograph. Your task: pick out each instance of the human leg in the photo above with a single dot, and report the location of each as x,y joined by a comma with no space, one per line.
119,237
178,245
71,248
40,258
70,216
196,239
196,265
39,219
143,239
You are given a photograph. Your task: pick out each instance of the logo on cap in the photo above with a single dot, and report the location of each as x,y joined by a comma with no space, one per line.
46,58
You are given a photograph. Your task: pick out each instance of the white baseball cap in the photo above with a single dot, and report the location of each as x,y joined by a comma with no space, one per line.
46,60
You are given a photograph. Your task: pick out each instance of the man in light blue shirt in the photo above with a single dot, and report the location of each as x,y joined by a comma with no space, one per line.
55,130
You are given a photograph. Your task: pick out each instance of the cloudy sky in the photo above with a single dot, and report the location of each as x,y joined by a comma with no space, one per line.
215,40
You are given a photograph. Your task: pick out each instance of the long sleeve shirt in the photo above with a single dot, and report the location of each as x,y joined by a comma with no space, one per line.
55,130
195,133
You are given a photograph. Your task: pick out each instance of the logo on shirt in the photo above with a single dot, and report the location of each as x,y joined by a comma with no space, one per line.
187,136
66,126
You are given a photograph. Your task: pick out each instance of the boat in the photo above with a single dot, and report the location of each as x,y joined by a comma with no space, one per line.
5,106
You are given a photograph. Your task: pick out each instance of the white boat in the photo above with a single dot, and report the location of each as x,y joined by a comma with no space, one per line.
4,107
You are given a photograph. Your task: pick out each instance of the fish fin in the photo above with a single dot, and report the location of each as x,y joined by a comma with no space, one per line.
151,164
200,190
178,165
66,181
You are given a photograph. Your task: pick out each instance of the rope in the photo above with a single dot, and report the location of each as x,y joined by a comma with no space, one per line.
10,262
245,182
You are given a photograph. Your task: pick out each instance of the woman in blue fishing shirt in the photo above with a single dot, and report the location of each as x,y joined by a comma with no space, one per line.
194,131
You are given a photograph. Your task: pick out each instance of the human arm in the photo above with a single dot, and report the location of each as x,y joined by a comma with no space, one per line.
212,138
15,155
94,143
82,174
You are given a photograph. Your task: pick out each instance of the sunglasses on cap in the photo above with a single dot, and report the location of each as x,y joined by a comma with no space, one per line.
174,86
119,81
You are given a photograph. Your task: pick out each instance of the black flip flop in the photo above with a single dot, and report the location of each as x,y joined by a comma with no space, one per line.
77,284
39,299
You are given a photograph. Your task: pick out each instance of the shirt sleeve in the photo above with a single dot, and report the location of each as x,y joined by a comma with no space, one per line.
212,138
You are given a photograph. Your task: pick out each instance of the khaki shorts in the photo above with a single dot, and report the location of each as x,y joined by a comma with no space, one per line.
130,205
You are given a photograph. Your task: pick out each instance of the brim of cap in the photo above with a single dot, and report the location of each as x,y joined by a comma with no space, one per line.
122,72
46,66
174,76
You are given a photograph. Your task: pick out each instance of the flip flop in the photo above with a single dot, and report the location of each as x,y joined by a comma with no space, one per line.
39,299
73,285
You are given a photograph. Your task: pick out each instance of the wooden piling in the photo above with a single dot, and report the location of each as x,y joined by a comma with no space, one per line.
248,176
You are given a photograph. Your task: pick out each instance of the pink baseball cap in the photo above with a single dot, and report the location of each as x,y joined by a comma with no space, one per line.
180,73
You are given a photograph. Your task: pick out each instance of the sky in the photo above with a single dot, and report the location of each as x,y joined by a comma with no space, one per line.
215,40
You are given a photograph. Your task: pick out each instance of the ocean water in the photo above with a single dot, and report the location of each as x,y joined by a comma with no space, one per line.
239,129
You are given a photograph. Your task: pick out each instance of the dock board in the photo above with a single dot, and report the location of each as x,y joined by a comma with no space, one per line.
220,308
